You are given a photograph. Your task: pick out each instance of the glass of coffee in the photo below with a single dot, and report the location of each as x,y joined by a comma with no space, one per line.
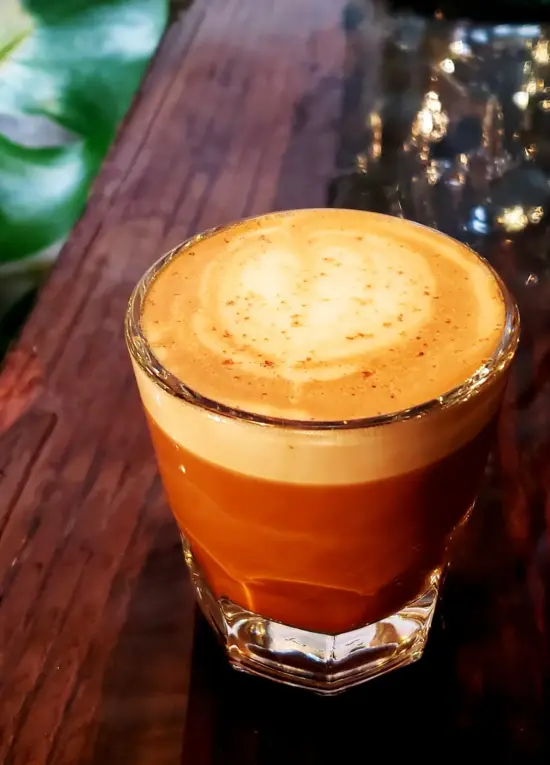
321,388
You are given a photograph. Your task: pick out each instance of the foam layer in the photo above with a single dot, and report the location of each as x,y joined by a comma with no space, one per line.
389,314
317,457
324,315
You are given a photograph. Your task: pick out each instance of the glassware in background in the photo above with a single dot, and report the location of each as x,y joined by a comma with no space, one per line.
447,122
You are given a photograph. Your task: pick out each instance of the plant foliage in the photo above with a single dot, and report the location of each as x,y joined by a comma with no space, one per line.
76,64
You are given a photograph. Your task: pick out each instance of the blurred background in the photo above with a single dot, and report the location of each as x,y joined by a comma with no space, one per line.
68,72
445,118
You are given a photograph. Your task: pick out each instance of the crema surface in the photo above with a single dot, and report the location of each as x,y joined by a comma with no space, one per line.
323,315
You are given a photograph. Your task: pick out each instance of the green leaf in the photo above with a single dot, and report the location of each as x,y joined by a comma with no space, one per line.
42,192
77,63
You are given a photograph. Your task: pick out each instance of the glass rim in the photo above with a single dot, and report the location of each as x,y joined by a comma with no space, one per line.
146,360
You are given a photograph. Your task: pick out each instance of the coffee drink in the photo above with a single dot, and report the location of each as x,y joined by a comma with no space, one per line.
336,407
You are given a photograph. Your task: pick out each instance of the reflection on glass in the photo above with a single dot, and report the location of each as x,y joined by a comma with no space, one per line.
541,52
458,127
513,219
431,121
521,99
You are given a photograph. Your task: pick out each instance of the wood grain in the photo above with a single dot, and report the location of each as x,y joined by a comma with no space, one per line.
236,116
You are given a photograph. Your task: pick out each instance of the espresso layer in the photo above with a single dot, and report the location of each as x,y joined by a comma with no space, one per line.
323,315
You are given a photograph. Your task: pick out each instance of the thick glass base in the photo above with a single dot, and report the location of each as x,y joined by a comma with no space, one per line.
326,664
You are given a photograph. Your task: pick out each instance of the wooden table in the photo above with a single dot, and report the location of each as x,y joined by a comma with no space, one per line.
103,659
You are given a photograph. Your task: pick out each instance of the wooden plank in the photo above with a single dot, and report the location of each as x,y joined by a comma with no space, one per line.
235,117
